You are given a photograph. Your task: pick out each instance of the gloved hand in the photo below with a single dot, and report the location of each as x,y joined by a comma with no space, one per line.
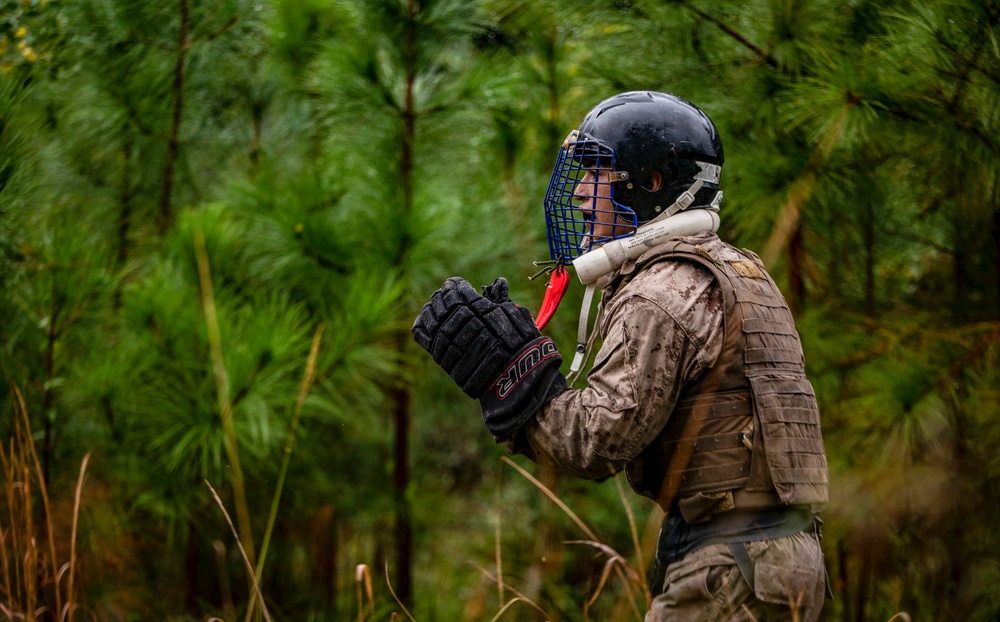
491,348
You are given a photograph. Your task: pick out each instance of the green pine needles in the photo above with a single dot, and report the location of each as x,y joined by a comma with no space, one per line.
218,221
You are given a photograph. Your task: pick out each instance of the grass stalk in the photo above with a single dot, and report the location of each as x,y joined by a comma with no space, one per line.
28,443
396,598
225,586
4,560
616,563
620,566
72,545
308,377
499,561
224,400
640,563
255,587
503,609
9,537
518,596
31,554
362,576
555,499
31,581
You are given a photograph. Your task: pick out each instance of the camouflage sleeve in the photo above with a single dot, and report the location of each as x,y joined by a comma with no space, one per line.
658,334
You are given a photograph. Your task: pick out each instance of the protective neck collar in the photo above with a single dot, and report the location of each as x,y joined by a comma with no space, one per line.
674,222
595,266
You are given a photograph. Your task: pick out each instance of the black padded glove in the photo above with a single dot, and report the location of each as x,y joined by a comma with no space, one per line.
491,348
497,292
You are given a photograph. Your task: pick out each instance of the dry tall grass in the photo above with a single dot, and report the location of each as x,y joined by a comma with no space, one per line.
637,601
513,603
34,583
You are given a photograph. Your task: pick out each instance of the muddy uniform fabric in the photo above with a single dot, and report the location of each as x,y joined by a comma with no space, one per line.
666,360
707,585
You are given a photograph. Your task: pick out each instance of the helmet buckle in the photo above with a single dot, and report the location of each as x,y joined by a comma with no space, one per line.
571,138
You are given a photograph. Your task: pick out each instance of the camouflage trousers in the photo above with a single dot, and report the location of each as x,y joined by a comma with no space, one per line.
789,584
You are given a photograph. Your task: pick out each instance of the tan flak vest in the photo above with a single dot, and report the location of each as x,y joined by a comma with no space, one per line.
746,434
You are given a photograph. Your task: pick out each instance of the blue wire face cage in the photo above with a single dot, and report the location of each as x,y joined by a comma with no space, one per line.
580,208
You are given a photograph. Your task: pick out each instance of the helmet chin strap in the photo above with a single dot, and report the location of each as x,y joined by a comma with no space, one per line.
594,267
682,202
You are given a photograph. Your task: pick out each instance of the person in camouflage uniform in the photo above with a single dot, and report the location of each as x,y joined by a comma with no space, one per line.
698,390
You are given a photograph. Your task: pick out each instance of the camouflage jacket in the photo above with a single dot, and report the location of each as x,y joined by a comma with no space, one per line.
659,331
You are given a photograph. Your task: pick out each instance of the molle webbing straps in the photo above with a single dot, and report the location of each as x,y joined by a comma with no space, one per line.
790,427
755,414
718,450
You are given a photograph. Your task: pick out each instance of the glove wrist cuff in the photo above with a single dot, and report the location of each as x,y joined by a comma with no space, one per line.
530,380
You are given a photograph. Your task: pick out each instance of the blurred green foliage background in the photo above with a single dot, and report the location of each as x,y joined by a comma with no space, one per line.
192,192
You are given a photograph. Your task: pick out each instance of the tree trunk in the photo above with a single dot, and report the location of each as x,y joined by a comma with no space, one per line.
842,582
796,272
173,142
125,207
864,578
869,241
404,519
952,598
996,249
256,120
401,396
960,275
48,396
124,211
192,574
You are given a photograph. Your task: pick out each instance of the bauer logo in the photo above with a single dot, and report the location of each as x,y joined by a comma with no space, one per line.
520,368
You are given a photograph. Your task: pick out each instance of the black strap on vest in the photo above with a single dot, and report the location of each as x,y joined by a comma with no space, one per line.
743,561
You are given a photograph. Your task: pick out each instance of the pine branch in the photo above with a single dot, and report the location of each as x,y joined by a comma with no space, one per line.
963,121
966,68
963,61
211,18
163,45
800,192
215,33
761,53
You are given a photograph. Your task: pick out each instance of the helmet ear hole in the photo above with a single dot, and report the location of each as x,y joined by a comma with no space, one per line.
653,182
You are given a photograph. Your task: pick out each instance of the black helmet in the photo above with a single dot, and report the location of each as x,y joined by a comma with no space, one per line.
658,145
